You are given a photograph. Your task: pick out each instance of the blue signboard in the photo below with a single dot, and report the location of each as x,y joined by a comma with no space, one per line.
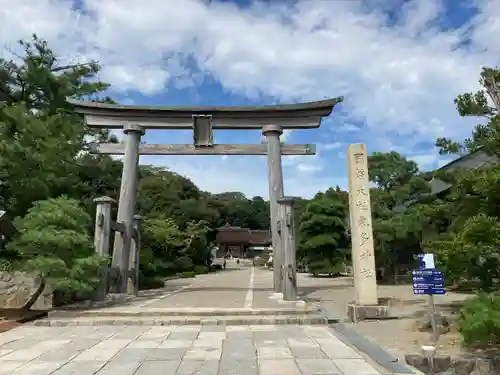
427,280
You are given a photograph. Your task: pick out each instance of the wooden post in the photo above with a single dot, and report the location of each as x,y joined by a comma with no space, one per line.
275,175
102,237
126,204
135,250
287,220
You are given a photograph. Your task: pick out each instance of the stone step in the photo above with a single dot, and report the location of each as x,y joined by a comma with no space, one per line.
174,312
185,320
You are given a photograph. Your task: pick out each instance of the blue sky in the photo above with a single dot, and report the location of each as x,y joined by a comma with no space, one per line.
398,63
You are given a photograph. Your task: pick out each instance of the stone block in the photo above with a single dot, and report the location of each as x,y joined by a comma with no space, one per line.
183,335
166,354
278,367
421,363
156,368
356,313
355,366
317,366
17,287
308,352
232,366
211,329
79,368
191,367
273,352
461,365
336,349
443,323
37,367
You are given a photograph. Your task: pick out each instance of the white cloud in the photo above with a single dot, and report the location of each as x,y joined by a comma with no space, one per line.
425,162
332,146
348,128
309,168
397,79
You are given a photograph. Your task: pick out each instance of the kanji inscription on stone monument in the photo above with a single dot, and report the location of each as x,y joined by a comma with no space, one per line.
363,259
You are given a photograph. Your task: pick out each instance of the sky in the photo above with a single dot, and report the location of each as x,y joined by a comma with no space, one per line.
399,64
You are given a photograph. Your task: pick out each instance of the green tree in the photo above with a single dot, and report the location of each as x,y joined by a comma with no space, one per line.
398,225
168,249
390,169
477,104
40,136
323,241
55,245
474,196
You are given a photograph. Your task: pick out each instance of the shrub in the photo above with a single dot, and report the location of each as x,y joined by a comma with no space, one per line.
55,244
188,274
479,322
200,270
324,267
260,262
472,253
217,267
154,282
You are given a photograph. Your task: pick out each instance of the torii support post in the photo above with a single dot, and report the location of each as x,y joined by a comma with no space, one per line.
275,174
287,234
135,250
272,120
126,204
102,238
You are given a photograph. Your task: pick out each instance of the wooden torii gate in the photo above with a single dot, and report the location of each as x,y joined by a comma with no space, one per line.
134,120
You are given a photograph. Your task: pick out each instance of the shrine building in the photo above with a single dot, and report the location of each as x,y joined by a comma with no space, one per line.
241,242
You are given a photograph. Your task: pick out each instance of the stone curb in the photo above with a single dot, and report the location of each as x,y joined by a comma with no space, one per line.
445,364
197,312
240,320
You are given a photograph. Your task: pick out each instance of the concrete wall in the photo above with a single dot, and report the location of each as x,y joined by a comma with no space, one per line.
16,288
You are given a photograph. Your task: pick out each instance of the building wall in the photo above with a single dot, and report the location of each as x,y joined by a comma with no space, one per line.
235,250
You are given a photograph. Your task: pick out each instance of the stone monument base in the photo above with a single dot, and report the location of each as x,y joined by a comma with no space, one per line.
356,313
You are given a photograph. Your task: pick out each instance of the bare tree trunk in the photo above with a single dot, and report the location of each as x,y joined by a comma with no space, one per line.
35,296
493,91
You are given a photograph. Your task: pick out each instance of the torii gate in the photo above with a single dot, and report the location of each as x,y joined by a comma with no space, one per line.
134,120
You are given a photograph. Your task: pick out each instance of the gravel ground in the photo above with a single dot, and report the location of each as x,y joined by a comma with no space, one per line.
398,336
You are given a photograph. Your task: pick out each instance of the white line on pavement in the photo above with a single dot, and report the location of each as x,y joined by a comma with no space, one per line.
249,296
151,301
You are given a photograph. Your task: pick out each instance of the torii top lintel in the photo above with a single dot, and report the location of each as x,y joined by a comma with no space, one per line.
287,116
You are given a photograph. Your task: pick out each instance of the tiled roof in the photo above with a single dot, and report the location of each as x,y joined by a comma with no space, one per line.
243,235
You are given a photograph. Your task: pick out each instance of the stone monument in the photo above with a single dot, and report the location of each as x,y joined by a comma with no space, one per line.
366,303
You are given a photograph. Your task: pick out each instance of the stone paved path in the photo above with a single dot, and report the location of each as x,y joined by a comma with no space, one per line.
236,288
178,350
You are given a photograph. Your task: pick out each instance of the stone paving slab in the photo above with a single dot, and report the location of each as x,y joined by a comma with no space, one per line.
179,350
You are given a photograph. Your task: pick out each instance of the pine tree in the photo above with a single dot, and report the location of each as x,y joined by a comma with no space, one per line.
323,240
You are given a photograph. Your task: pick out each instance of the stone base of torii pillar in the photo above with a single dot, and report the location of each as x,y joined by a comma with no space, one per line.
366,304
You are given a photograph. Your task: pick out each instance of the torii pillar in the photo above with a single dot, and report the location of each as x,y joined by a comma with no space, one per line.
275,173
126,205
